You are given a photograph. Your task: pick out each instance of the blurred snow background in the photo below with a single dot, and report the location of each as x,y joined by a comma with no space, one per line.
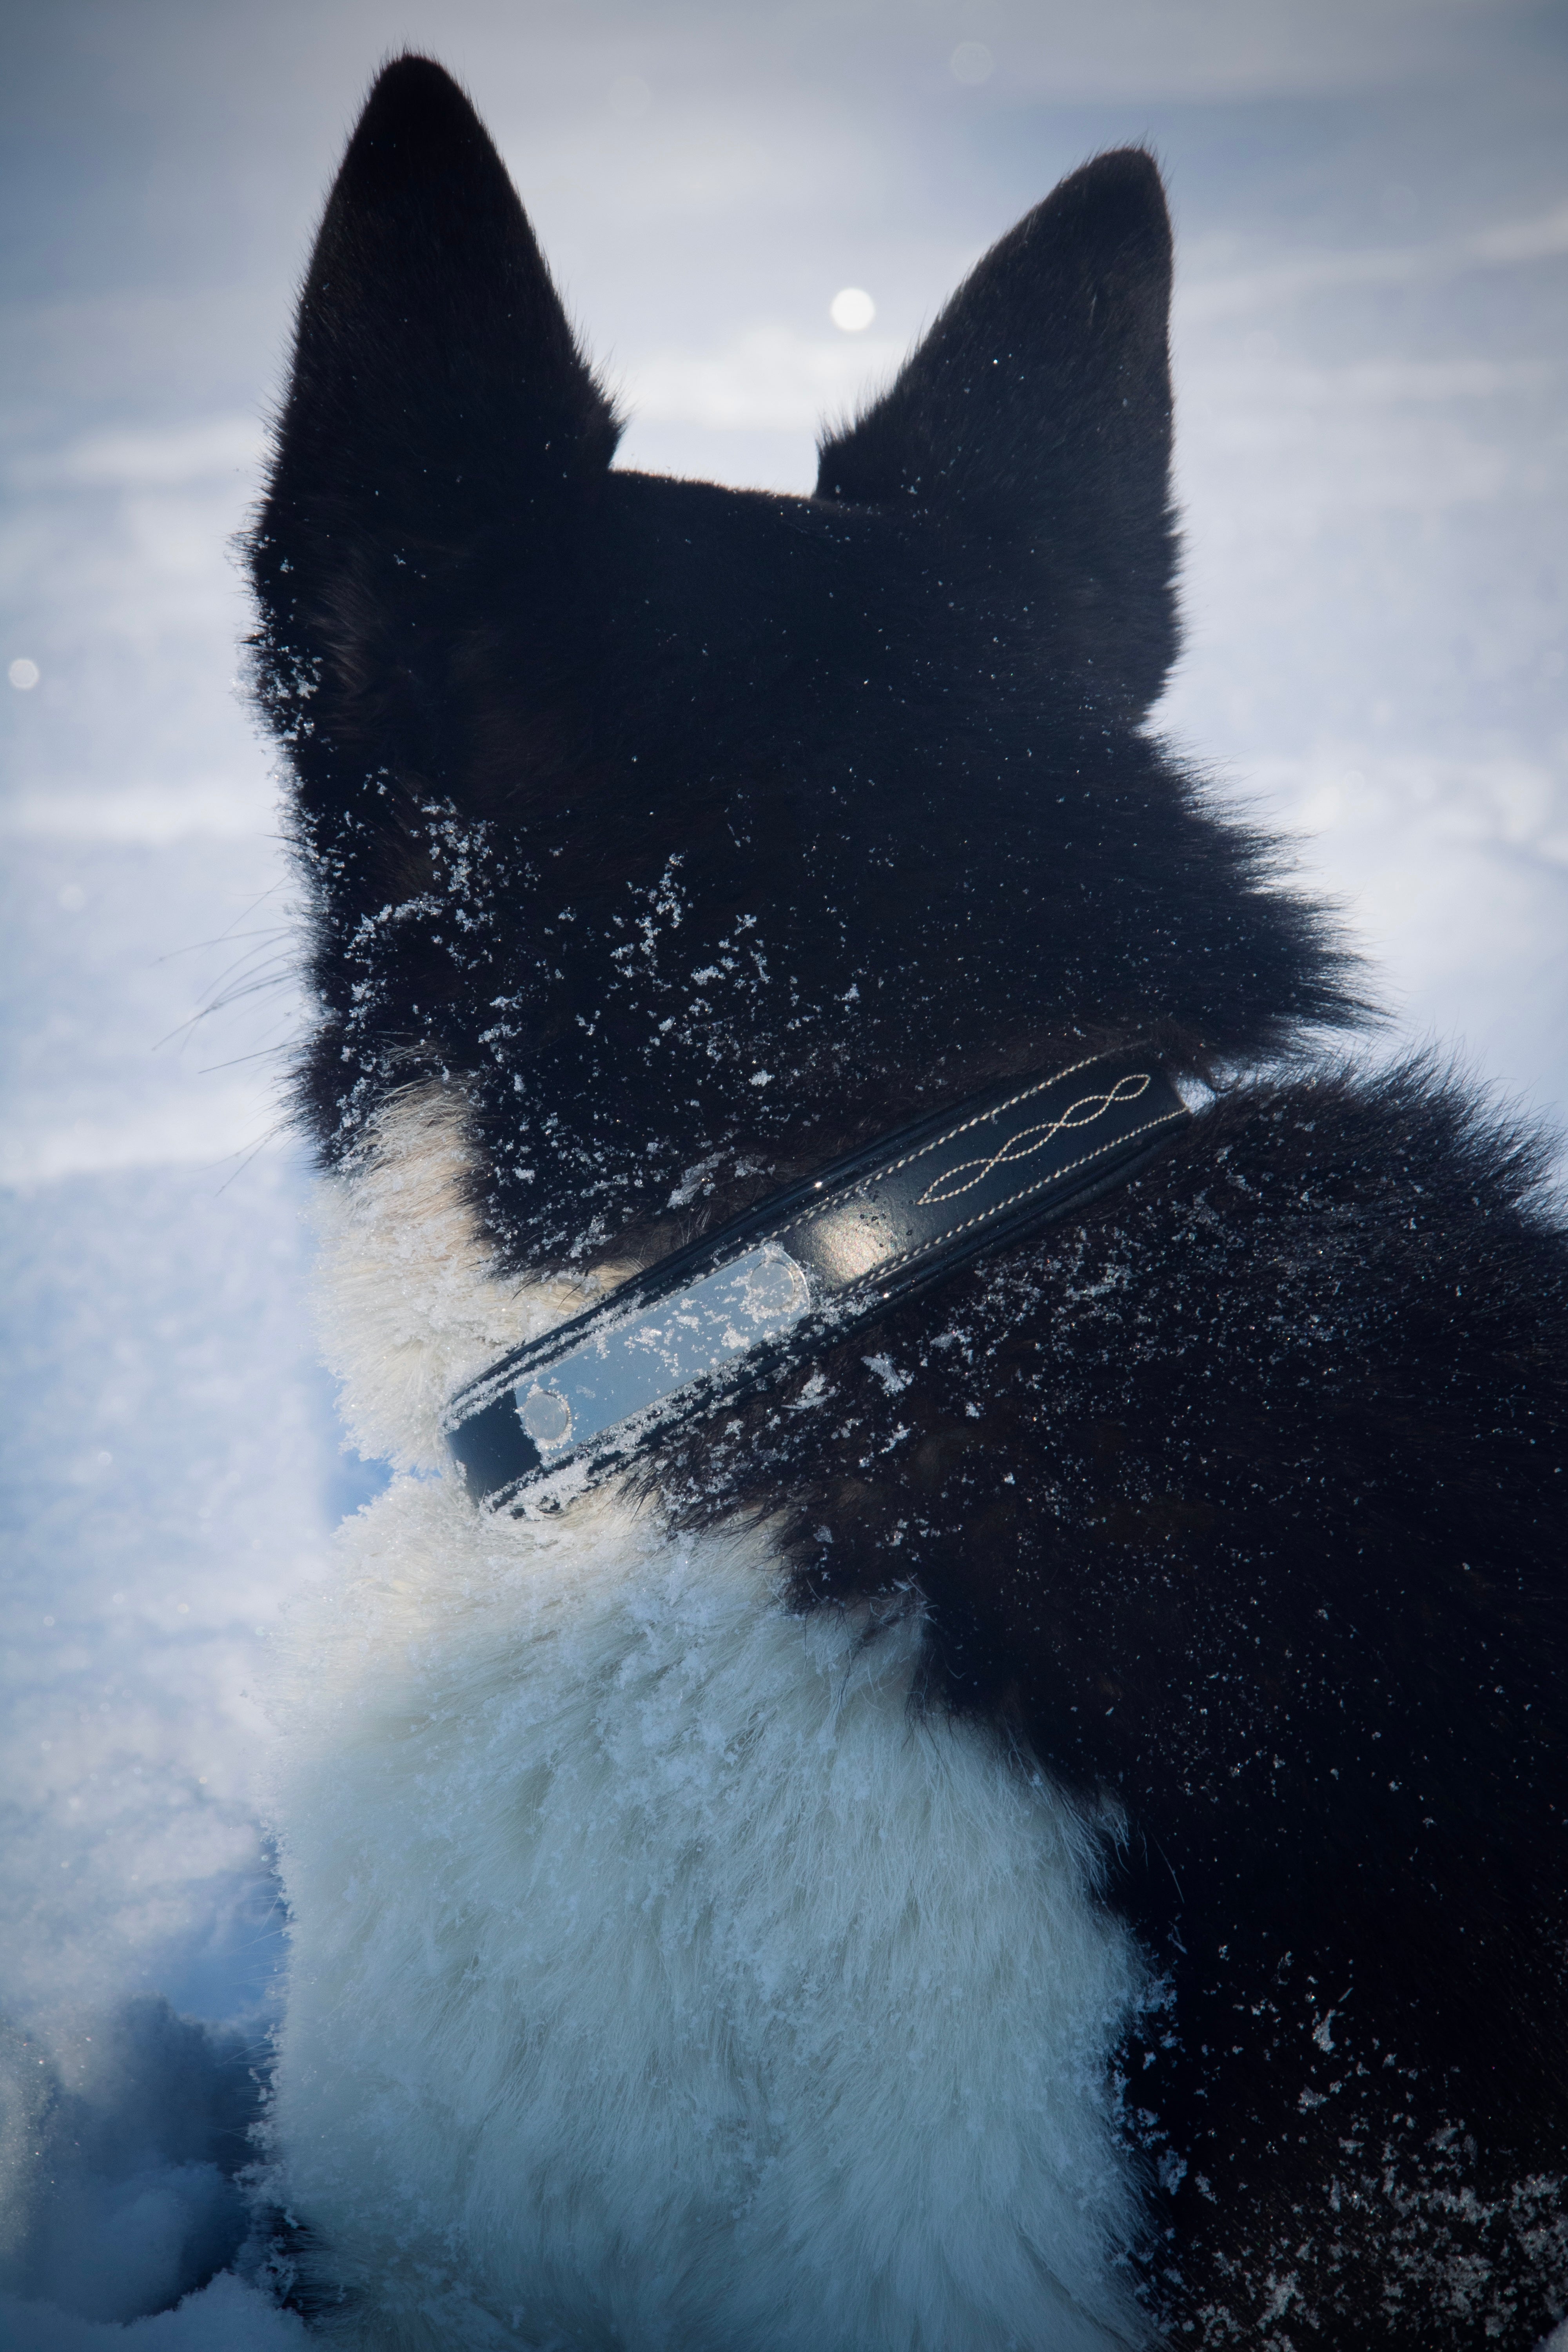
1372,338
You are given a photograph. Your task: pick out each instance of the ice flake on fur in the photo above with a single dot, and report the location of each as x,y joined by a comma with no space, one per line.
410,1305
659,1978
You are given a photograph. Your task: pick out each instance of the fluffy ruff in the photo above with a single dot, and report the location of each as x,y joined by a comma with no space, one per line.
632,1911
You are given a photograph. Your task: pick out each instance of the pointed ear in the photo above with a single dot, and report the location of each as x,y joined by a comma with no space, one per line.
437,397
1034,420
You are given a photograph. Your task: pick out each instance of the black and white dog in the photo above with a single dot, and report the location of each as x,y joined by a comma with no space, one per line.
1035,1819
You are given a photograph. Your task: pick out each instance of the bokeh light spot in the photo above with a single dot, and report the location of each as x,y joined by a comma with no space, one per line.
971,62
23,674
852,309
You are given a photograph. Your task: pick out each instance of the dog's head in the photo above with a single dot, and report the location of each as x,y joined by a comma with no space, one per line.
692,835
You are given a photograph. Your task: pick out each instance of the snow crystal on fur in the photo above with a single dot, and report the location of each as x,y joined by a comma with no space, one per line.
660,1978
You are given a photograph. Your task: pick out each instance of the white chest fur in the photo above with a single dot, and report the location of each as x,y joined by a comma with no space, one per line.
659,1979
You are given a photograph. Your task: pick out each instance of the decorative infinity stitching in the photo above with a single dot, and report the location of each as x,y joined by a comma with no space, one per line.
1030,1139
890,1265
892,1167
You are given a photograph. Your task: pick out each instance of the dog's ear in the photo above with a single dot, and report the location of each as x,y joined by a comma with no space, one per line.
438,401
1035,421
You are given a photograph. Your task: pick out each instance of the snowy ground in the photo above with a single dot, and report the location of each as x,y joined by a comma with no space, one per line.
1371,203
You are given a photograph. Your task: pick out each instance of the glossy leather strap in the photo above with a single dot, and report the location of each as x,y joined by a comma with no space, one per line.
797,1271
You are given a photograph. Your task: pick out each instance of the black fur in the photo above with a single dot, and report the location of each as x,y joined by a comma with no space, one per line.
698,836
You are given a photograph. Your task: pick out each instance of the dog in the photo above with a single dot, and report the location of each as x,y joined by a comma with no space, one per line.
1034,1819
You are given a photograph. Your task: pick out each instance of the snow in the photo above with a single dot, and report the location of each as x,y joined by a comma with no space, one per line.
226,2316
1370,342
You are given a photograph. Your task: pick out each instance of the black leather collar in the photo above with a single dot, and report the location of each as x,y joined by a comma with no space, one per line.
555,1415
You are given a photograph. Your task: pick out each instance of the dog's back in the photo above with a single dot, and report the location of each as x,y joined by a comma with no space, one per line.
1040,1824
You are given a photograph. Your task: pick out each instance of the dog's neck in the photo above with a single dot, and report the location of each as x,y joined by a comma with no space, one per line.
808,1264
